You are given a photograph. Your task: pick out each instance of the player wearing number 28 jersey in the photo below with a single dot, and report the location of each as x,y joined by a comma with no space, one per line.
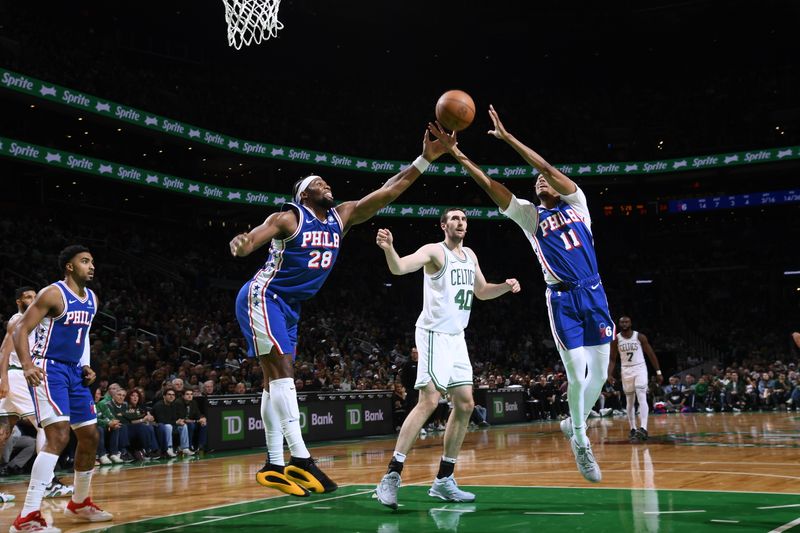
304,238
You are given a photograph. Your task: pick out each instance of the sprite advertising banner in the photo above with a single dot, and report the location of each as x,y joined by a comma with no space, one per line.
81,101
234,422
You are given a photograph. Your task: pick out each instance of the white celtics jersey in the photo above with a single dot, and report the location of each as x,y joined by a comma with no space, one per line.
630,350
13,359
448,294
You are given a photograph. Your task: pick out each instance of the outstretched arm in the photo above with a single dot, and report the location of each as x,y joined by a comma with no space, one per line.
652,356
557,179
489,291
278,225
431,255
356,212
498,192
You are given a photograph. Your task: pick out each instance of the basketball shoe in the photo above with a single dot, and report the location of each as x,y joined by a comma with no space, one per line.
386,491
272,476
641,434
32,522
566,427
447,489
584,458
87,510
308,475
56,489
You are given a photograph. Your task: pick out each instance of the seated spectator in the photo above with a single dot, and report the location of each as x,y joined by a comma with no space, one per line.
166,415
141,429
20,449
113,435
194,420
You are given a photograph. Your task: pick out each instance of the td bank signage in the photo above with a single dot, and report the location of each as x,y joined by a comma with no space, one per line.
502,405
235,421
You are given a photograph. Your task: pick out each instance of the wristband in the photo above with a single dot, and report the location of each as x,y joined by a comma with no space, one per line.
658,372
421,164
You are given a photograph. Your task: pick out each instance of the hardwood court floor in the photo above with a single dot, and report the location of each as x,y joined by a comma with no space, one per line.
735,472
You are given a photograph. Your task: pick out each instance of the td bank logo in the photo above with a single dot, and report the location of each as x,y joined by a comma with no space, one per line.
304,420
353,419
232,425
498,407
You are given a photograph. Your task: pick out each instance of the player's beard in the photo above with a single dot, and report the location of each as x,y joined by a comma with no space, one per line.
327,203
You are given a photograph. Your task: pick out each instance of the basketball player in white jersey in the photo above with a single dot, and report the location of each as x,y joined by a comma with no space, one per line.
629,347
452,277
15,397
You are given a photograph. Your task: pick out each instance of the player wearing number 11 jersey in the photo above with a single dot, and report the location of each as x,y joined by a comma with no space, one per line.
559,230
305,237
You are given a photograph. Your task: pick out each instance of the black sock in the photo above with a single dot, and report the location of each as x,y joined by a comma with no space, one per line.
395,466
445,469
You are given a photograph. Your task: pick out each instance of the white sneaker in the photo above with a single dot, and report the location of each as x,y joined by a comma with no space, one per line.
104,460
115,458
584,458
386,491
566,427
6,497
594,414
605,411
56,489
170,453
187,452
440,427
87,511
422,432
447,489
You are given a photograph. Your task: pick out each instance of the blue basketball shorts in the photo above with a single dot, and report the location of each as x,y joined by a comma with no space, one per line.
61,396
579,316
266,320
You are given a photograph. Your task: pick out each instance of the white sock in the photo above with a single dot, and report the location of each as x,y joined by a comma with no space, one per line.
575,365
82,483
283,397
449,459
630,408
41,474
272,430
644,409
399,457
597,373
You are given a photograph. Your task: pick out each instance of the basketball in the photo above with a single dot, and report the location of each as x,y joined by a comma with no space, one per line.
455,110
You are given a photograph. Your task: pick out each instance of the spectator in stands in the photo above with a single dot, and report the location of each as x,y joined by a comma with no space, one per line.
166,414
141,430
195,422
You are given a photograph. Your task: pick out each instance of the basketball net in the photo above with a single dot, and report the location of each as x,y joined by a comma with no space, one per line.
251,21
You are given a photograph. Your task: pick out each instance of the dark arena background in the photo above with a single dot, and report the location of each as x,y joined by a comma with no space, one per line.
136,130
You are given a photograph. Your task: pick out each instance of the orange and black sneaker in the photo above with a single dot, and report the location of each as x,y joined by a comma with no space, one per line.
307,474
272,476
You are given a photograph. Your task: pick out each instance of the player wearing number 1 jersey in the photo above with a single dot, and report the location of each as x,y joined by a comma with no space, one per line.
559,230
451,279
305,237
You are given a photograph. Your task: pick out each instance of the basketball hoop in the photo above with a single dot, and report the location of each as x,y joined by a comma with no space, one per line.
251,21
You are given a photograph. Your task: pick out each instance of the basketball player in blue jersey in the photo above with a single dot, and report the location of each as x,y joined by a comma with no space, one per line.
304,242
559,230
58,373
15,398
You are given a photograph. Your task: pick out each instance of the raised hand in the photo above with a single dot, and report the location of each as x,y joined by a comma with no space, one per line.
431,148
447,140
499,130
384,239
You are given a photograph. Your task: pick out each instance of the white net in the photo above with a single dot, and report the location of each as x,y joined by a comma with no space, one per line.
251,21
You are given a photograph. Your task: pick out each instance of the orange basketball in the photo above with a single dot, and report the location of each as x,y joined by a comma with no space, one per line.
455,110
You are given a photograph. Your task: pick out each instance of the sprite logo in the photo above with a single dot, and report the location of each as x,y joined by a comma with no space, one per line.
497,407
352,417
304,420
232,425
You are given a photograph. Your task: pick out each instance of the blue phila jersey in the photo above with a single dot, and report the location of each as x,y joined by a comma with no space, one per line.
65,337
561,237
298,265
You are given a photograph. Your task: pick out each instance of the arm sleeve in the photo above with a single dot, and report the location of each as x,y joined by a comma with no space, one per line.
577,201
523,213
